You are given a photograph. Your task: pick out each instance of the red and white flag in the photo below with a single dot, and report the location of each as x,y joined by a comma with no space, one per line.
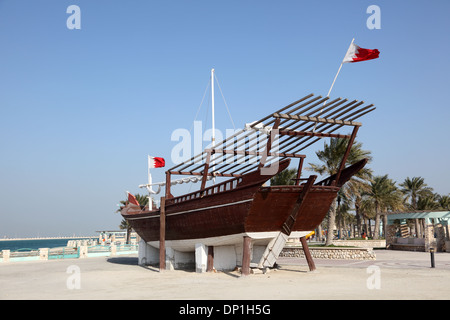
132,199
156,162
356,54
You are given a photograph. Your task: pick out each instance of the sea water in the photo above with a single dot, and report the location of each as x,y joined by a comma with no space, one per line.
33,244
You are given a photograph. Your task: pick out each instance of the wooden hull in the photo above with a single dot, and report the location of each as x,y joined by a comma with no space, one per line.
249,209
201,218
262,210
272,206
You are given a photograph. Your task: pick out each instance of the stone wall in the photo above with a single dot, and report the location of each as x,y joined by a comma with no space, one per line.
330,253
430,240
361,243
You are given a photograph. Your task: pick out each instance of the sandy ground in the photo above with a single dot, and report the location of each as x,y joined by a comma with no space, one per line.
394,275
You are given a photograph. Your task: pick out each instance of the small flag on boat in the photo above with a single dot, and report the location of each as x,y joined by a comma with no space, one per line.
156,162
132,199
356,54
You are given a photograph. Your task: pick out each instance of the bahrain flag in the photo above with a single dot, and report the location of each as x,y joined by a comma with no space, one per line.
356,54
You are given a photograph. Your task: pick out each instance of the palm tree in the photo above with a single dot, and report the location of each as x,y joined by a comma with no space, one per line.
444,202
428,202
343,217
331,157
384,196
356,194
124,225
413,188
367,212
284,177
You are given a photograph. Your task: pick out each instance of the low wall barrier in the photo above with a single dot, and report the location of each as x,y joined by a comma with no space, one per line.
330,253
361,243
66,253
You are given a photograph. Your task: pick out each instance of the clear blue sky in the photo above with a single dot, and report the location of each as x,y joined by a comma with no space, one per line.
82,109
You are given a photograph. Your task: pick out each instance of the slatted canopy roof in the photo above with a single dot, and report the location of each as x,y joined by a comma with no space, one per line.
441,216
293,128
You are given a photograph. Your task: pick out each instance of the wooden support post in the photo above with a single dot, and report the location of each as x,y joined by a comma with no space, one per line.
266,153
205,170
210,261
168,195
299,171
308,256
246,256
162,235
347,152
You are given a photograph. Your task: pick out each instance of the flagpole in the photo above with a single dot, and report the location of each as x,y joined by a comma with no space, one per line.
339,70
149,188
332,85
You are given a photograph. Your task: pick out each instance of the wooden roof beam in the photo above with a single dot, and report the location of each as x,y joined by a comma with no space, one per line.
316,119
313,134
217,174
255,153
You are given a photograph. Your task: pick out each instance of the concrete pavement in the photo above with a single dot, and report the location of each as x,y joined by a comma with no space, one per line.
394,275
385,259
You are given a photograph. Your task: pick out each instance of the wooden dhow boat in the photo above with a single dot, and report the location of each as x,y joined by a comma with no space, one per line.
242,211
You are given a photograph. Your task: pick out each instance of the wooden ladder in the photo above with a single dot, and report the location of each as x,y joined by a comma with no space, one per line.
275,246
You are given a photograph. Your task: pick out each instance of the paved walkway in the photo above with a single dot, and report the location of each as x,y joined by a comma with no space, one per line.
394,275
385,259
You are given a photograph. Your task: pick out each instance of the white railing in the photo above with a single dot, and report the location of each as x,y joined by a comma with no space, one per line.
71,253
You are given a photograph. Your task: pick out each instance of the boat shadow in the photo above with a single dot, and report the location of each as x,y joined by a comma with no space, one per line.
131,261
295,270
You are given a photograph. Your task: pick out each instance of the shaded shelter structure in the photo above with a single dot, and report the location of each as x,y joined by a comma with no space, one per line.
435,233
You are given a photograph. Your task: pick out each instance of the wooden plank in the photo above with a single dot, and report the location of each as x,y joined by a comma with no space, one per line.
273,250
287,107
263,159
168,194
347,152
217,174
254,153
313,134
308,256
322,127
210,261
290,221
162,235
316,119
205,171
299,172
245,270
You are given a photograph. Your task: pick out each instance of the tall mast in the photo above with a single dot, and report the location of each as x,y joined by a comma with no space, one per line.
212,102
213,136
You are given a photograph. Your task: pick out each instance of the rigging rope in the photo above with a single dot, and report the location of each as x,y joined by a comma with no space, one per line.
199,107
193,179
229,114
